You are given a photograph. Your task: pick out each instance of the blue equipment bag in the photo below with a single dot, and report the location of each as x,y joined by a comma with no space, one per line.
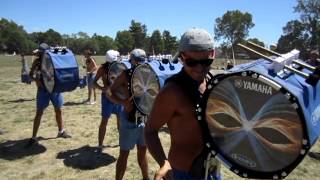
59,70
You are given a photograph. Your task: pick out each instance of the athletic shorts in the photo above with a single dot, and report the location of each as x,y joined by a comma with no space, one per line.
43,98
90,79
131,134
108,108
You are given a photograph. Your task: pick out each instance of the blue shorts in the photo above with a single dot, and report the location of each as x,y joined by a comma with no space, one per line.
43,98
177,174
90,79
130,133
108,108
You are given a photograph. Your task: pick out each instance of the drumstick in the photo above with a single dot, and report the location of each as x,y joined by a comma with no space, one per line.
304,75
307,66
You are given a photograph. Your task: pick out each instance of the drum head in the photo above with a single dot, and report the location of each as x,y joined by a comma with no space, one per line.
145,87
254,125
47,71
115,70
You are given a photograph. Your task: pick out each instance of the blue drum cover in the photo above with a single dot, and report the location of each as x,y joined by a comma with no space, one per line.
127,63
167,71
66,71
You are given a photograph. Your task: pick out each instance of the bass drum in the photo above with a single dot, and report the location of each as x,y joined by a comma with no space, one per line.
147,80
59,70
115,69
259,124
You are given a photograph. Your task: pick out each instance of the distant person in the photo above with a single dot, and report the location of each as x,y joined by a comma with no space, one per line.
25,78
43,98
91,68
313,58
131,126
175,106
107,107
229,65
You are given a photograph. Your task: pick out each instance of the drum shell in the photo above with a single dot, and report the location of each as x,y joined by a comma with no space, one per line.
65,75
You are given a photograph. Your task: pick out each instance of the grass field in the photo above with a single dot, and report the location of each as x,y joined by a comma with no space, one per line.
72,158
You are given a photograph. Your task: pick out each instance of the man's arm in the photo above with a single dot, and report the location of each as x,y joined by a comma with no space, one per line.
99,74
161,114
33,68
93,62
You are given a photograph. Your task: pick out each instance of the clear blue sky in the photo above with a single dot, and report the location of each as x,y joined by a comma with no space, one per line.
106,17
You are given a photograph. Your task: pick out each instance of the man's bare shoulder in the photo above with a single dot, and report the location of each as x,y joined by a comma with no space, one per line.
171,90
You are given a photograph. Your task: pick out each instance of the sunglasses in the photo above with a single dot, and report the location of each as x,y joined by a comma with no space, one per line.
195,62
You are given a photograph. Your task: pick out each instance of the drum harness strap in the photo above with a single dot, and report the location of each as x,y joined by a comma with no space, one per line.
204,163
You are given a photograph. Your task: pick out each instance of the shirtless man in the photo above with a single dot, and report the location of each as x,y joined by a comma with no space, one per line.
91,68
107,107
175,106
131,128
43,98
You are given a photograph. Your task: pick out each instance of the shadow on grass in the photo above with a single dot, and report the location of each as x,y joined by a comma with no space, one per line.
1,132
85,158
72,103
12,150
20,100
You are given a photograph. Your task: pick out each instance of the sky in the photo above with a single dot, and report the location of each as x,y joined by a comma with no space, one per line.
106,17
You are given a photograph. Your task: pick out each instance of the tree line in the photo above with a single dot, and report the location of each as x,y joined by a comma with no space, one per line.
233,27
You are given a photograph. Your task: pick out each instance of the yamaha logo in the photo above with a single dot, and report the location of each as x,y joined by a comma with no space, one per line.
253,86
244,160
315,117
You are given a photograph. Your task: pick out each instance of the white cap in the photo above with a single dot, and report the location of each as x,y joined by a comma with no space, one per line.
112,55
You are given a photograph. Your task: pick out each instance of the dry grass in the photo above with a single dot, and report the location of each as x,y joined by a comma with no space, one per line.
71,158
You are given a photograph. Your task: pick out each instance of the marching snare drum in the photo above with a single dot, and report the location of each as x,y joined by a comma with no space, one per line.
259,124
115,69
59,70
147,80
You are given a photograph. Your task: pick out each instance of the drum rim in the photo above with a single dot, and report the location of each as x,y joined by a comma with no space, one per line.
215,151
131,83
54,73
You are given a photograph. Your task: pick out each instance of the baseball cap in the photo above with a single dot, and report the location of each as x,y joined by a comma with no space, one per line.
112,55
196,40
43,47
138,55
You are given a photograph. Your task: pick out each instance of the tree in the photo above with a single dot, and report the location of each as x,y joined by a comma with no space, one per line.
233,26
156,43
124,41
53,38
139,33
13,38
294,37
250,54
310,18
170,44
104,43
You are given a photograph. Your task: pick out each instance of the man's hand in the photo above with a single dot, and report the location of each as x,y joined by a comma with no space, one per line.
165,172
